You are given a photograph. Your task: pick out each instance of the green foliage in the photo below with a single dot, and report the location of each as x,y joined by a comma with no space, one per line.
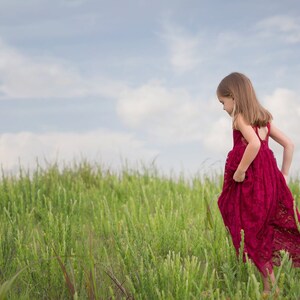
82,232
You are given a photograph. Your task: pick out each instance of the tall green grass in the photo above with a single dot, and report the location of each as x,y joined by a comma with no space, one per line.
82,232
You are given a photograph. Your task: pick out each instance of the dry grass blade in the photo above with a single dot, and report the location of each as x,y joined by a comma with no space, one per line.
90,286
66,275
118,284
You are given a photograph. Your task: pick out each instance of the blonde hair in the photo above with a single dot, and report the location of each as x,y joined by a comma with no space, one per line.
239,87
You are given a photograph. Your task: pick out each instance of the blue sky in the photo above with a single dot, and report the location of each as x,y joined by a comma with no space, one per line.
135,80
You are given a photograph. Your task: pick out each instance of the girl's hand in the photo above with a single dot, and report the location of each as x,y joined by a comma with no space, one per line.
239,176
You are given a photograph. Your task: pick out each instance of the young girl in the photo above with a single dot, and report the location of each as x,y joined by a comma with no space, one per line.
255,197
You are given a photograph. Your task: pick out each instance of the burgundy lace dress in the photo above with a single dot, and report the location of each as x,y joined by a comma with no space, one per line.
262,205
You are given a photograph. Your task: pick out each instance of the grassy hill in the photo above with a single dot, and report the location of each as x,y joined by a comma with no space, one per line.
82,232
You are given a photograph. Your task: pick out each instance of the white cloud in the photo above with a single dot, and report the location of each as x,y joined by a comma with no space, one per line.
218,138
281,27
184,48
285,108
103,146
167,115
22,77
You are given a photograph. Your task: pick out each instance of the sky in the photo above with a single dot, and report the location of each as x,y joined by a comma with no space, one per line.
133,82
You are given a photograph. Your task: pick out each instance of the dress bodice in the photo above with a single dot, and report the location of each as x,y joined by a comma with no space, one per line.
240,141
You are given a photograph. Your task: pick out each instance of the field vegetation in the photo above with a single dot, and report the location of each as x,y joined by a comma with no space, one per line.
85,232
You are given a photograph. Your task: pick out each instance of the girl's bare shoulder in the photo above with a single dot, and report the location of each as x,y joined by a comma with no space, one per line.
239,122
246,129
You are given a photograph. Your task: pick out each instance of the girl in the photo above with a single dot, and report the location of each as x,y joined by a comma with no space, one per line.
255,197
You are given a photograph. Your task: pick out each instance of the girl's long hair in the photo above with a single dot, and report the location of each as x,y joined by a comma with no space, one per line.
239,87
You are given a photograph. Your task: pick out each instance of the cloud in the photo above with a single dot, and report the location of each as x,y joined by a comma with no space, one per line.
285,108
281,27
218,139
22,76
184,48
104,146
167,115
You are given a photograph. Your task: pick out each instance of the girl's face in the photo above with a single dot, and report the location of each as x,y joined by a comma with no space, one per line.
228,104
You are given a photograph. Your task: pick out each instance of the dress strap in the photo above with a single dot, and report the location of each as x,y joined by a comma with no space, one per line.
268,131
255,129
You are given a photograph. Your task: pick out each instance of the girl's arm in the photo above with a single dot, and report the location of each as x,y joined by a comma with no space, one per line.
250,151
288,149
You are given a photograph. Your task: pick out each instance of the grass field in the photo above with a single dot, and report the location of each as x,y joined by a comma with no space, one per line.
83,232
